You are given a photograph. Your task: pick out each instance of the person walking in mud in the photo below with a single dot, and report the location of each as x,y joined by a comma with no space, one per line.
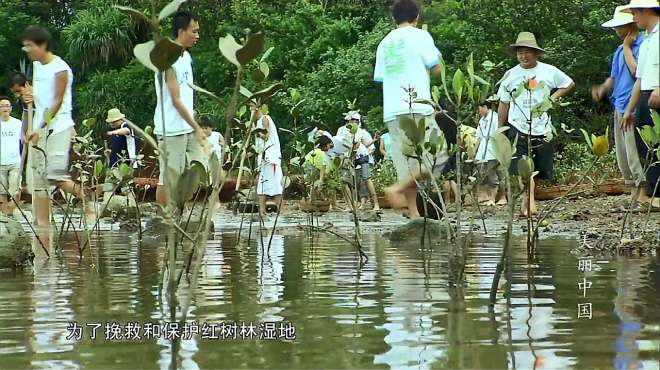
180,133
405,59
618,87
645,96
516,112
53,129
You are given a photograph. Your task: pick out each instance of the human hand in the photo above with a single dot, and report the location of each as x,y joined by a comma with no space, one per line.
654,100
26,95
110,133
629,39
597,93
32,137
201,139
627,121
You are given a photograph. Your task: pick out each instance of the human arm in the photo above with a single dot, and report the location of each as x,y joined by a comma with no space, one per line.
381,147
627,120
654,99
503,113
599,92
122,131
628,54
561,92
175,94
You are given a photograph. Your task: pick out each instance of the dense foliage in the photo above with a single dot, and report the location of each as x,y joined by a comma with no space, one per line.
323,48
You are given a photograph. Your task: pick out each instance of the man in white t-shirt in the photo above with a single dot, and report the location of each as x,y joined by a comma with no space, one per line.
516,112
11,131
405,59
183,139
645,96
53,126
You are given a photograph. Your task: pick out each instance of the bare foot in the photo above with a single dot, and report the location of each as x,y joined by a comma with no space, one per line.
502,202
395,197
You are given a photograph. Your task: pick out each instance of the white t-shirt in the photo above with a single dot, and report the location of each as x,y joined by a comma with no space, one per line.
174,123
648,66
552,78
44,77
10,138
487,127
214,143
271,147
403,60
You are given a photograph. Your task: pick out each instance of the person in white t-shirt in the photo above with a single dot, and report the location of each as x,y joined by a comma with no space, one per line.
645,96
485,157
405,59
53,126
269,161
516,112
214,139
182,137
11,132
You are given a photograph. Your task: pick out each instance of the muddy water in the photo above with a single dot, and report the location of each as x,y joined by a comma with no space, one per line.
396,312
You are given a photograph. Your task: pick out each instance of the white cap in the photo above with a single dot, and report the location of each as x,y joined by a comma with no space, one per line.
620,18
352,115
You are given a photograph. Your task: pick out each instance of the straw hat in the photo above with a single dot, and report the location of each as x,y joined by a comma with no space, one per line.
620,18
641,4
527,40
114,114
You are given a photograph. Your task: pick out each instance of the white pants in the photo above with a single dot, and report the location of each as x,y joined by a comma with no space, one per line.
269,181
626,153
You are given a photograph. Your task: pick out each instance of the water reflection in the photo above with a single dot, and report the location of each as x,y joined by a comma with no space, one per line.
397,311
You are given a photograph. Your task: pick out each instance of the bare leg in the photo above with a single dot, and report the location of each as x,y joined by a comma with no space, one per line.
280,203
75,189
161,197
396,193
532,203
262,204
374,196
4,207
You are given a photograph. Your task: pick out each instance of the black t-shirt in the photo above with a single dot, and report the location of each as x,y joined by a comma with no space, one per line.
118,146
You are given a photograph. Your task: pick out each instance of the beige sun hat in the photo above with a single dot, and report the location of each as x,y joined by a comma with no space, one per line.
527,40
114,114
641,4
620,18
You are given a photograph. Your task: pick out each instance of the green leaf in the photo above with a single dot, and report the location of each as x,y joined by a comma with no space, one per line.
264,68
435,94
89,122
252,48
125,171
258,76
142,54
268,92
648,135
656,119
48,117
228,48
488,65
443,71
457,84
165,53
199,170
470,68
170,9
205,92
587,139
503,150
410,129
133,13
245,92
267,54
99,168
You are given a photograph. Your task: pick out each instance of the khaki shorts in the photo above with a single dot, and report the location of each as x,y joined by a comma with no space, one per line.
54,166
9,179
181,150
405,165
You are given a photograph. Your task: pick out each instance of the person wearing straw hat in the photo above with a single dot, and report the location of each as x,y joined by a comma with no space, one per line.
646,92
618,87
516,111
121,140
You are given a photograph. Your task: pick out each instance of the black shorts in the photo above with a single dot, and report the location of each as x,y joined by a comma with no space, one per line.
543,154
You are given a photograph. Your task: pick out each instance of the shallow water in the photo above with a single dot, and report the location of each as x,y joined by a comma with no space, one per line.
396,312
